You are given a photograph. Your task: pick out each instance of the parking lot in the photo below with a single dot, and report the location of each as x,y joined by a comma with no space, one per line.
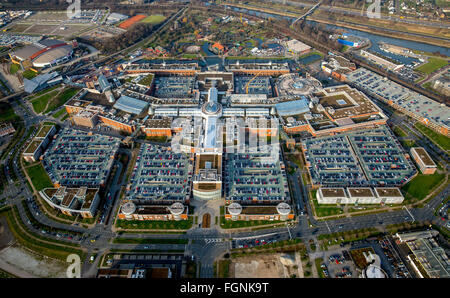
414,103
255,178
364,158
174,87
337,263
76,158
160,175
248,243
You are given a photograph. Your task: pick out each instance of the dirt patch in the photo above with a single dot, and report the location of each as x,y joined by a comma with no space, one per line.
33,264
206,222
264,266
6,237
358,256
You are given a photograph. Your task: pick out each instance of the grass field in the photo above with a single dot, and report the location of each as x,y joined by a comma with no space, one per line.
438,138
61,99
319,262
432,65
421,185
155,224
40,103
399,132
224,268
59,113
147,80
154,19
42,92
29,74
39,177
14,68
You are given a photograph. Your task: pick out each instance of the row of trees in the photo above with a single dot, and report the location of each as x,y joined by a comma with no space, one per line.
121,41
317,33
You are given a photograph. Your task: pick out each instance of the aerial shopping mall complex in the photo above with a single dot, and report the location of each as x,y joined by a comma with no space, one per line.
222,130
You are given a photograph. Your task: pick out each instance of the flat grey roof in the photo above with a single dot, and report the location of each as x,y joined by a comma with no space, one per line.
130,105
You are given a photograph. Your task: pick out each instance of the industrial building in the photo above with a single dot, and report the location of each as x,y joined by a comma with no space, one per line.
72,201
143,211
338,67
258,68
297,47
115,18
423,160
6,129
38,144
331,110
236,211
185,69
426,256
364,195
385,63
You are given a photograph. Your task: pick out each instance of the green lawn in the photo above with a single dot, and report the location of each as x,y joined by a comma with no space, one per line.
421,185
319,262
224,268
155,224
154,19
61,99
189,56
438,138
432,65
147,80
59,113
234,224
399,132
443,3
326,209
408,143
29,74
40,103
39,177
42,92
14,68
